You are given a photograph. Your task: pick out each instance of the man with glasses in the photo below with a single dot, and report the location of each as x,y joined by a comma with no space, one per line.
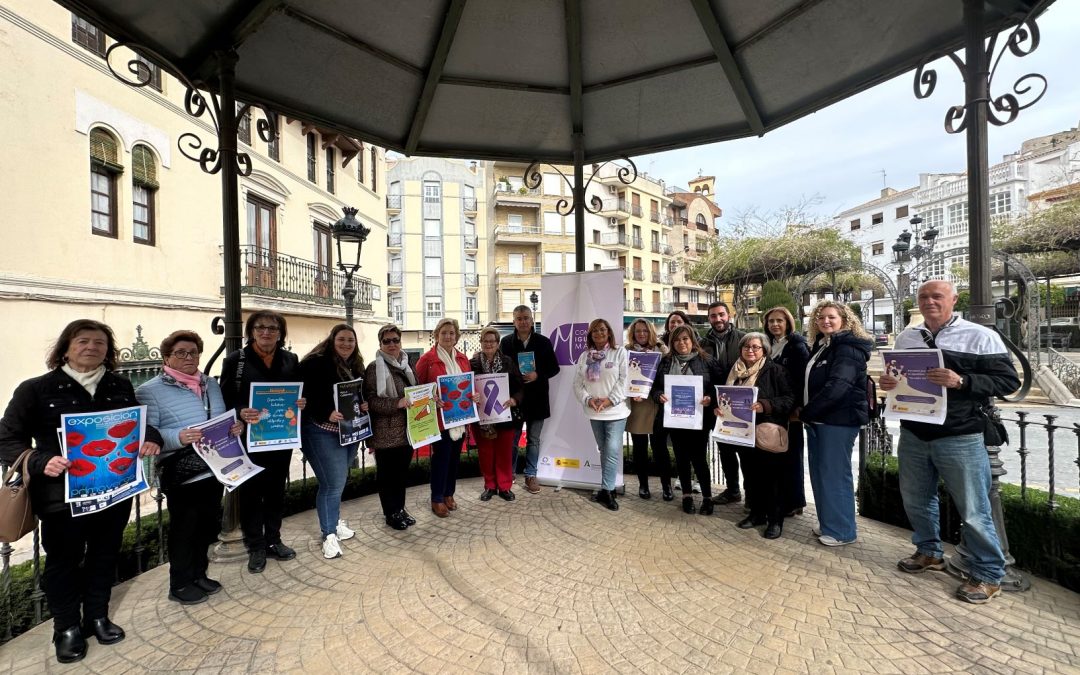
535,408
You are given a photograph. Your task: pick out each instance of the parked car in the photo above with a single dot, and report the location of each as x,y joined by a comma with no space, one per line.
881,339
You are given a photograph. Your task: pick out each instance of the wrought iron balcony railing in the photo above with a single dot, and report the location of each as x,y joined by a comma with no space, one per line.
472,279
273,274
393,202
614,239
393,239
468,204
639,275
654,216
394,278
636,242
471,241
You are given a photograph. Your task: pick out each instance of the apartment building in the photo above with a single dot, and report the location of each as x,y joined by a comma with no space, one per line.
694,232
106,219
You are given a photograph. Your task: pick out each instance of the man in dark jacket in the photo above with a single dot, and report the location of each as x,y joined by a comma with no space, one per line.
722,344
977,367
535,408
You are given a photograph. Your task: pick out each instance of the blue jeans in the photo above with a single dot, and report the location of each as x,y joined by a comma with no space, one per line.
532,447
829,450
609,438
962,463
330,462
445,454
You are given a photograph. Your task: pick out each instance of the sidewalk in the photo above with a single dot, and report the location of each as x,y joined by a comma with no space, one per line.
554,583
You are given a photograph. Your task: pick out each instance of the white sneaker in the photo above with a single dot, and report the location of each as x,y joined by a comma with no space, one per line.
330,547
343,531
816,531
833,541
696,488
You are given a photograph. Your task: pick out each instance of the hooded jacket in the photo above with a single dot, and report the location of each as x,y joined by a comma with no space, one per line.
836,382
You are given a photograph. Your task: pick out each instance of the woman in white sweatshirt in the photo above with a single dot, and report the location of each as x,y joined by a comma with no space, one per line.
600,383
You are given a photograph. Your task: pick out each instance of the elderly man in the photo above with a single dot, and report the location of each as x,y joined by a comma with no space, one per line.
977,367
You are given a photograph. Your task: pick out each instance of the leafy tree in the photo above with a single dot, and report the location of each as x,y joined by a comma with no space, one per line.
857,308
775,294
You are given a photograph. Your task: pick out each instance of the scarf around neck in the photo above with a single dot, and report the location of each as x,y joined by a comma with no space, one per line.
680,363
192,382
452,368
593,363
743,375
778,344
88,381
384,379
492,365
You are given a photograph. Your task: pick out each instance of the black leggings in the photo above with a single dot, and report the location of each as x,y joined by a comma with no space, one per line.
661,458
391,475
690,445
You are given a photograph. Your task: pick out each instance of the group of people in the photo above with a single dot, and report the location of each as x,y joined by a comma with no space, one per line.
816,385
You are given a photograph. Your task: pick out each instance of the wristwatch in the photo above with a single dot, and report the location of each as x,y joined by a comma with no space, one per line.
961,385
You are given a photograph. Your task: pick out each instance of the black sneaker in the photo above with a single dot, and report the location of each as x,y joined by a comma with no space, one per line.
188,595
208,585
727,497
280,551
507,495
256,561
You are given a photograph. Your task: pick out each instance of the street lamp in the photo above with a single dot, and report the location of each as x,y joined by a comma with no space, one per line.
349,231
904,250
534,298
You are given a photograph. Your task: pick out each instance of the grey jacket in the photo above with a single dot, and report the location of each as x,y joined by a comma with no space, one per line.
170,407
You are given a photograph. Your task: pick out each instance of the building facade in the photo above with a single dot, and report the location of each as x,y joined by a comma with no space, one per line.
106,219
694,231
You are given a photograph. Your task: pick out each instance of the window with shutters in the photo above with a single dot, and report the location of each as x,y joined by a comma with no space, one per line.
144,187
273,147
330,176
105,169
360,165
243,124
87,35
374,170
312,159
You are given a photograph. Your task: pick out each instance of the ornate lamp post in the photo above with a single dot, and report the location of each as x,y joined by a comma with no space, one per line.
904,250
534,299
352,233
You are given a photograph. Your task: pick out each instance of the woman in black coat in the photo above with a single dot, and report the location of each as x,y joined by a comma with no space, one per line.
80,553
262,498
764,471
789,350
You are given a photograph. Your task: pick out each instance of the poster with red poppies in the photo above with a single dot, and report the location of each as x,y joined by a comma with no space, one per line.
103,448
455,395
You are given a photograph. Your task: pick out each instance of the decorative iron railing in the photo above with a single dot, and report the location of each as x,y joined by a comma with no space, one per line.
272,274
1066,371
393,202
468,204
393,239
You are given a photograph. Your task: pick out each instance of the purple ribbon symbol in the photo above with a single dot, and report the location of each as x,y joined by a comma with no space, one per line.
491,399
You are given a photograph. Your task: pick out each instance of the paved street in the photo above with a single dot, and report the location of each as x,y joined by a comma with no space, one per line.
555,583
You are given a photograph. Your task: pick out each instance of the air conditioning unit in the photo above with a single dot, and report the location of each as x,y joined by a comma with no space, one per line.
614,255
612,222
612,190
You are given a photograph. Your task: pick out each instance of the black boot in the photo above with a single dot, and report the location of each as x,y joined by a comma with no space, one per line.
643,489
611,503
665,486
688,504
706,507
774,530
105,631
70,645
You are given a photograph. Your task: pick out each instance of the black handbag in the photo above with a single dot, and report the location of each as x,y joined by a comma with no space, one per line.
184,464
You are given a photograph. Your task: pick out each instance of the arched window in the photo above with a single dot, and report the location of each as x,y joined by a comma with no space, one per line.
144,187
700,220
105,168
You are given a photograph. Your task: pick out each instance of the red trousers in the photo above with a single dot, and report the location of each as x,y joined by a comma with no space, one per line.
495,461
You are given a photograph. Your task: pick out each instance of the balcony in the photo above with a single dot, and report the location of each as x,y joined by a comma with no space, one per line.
636,242
701,247
615,208
471,242
637,305
656,277
655,246
666,249
654,216
635,210
394,279
472,279
468,205
393,239
614,240
271,274
682,222
666,279
393,203
518,234
638,274
667,221
522,272
662,307
522,196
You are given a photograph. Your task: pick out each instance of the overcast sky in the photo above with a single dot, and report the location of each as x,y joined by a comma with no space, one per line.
838,153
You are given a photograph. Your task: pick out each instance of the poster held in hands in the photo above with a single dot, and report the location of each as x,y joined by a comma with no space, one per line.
278,426
641,373
421,421
348,397
103,448
736,420
455,396
526,362
494,392
223,452
915,398
683,408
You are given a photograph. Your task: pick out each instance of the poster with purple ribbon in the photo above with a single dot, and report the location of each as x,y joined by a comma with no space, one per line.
915,397
455,397
494,391
735,418
223,452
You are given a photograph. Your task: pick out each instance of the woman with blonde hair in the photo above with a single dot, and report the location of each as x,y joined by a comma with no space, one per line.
444,359
641,337
835,394
790,351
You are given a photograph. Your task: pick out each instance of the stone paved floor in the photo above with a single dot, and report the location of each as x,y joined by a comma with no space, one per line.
555,583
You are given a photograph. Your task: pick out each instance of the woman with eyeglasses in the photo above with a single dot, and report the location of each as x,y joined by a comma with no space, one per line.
686,357
764,471
262,498
384,389
642,425
444,359
600,384
176,400
494,442
335,359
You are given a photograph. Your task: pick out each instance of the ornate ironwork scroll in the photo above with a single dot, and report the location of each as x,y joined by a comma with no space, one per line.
533,178
1002,109
880,274
197,104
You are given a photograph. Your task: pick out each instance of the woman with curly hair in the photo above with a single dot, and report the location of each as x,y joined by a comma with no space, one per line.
835,408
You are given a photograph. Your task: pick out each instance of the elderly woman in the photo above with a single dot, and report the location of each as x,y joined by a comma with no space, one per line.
335,359
80,553
494,442
444,359
686,357
384,388
600,385
641,337
763,471
788,350
262,498
835,408
177,400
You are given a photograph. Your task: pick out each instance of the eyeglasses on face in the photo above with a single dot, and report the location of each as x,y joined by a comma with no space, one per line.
266,329
753,348
181,354
391,341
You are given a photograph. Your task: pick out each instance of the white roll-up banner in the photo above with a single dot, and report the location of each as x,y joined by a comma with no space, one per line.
568,453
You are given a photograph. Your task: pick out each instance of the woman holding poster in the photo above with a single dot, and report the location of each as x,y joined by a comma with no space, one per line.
261,499
80,552
494,441
836,406
384,388
600,383
688,358
444,359
177,400
789,350
765,472
642,423
335,359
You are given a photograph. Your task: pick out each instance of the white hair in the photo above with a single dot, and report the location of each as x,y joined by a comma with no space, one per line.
951,285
